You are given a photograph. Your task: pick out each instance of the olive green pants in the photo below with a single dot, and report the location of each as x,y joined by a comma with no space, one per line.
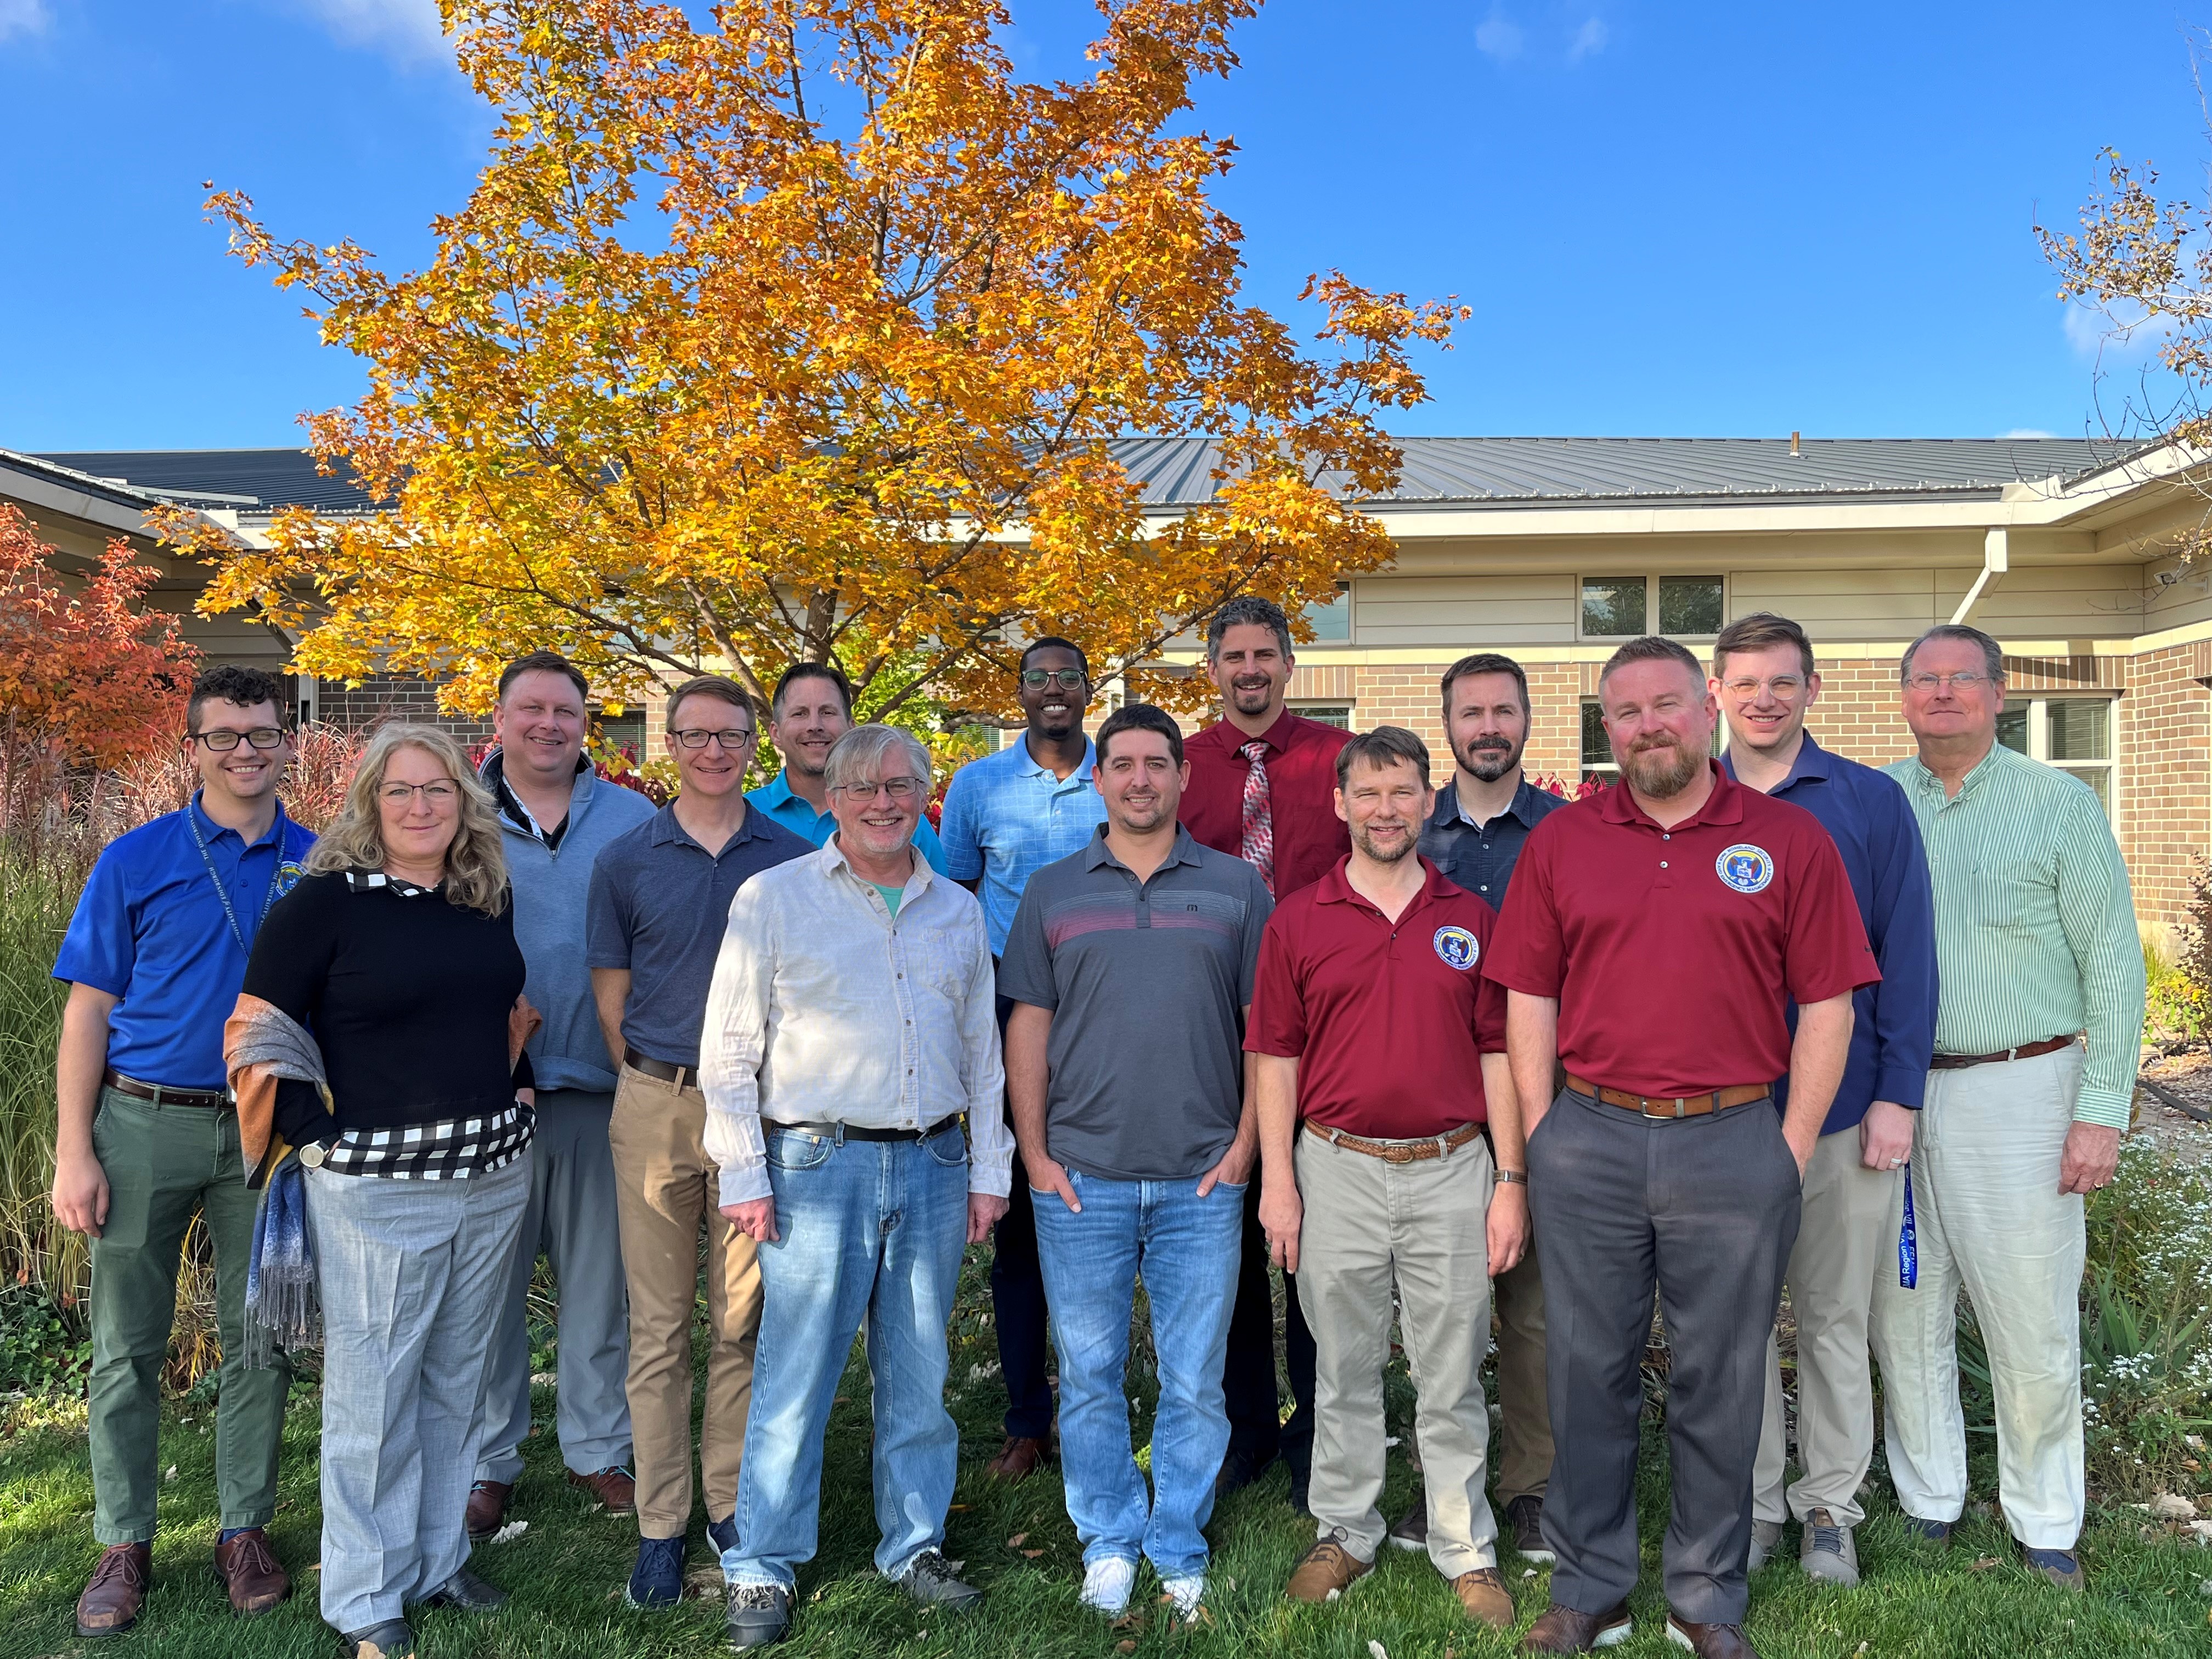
164,1163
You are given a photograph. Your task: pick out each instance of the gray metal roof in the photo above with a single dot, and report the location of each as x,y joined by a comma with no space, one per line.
1441,471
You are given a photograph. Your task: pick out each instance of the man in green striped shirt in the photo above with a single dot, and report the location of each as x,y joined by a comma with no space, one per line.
2035,945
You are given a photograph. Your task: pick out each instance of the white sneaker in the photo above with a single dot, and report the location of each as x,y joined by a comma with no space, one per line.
1189,1595
1107,1583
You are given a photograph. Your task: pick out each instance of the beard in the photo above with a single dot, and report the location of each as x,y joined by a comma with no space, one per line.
1385,851
1490,764
1662,770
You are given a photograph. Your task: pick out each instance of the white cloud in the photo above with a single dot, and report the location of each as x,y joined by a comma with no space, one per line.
1590,41
24,17
1499,37
408,29
2028,432
2124,334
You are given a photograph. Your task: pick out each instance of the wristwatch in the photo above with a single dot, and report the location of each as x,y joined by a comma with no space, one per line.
1510,1176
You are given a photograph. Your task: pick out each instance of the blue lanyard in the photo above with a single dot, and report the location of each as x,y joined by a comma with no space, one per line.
1908,1242
221,892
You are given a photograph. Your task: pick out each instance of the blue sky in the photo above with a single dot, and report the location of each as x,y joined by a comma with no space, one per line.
1677,220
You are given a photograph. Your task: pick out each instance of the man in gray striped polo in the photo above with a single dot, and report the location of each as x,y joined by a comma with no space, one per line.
2035,946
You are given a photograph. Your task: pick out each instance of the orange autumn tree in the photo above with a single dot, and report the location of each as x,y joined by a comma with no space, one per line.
809,333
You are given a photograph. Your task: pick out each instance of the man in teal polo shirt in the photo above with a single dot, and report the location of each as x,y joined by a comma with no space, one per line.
154,958
811,709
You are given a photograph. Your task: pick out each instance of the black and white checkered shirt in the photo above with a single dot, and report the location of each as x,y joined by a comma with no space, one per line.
453,1149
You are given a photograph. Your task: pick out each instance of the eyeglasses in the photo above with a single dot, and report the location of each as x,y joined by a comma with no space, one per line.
1069,679
1925,684
1782,686
439,792
223,742
896,788
732,740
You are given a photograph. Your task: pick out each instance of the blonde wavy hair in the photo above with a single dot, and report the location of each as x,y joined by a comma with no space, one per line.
476,868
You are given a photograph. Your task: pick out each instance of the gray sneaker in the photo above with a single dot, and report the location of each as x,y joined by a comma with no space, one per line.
1765,1535
1412,1532
758,1615
934,1581
1826,1553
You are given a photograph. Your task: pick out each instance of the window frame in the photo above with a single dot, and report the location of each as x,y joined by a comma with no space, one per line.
1320,708
1343,601
1652,579
2036,706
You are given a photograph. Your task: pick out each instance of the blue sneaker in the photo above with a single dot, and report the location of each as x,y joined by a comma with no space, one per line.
2059,1567
1929,1532
657,1581
723,1534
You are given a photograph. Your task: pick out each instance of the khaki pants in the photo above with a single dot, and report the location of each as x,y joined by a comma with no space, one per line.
1369,1225
1846,1241
665,1184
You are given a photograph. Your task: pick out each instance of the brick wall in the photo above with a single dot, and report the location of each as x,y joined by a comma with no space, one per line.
2164,733
389,697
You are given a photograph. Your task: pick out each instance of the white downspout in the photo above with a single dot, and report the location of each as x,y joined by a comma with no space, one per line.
1996,558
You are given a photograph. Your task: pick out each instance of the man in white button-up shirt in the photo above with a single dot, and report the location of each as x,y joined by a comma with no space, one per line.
851,1025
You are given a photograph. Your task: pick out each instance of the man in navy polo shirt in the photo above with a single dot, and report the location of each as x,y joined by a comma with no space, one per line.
154,958
1657,934
1007,816
1764,675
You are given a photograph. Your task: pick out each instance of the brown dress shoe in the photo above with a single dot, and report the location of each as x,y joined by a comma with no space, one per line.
487,1511
615,1488
1022,1456
1565,1630
117,1591
1708,1641
1485,1598
1326,1571
256,1581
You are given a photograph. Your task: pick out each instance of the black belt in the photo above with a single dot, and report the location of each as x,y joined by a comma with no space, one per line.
850,1132
661,1069
207,1099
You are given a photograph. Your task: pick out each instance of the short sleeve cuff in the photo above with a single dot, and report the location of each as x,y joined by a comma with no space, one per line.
1529,985
2108,1108
1273,1047
1902,1084
960,867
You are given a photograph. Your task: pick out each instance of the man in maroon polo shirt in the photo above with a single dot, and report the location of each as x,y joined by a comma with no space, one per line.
1263,788
1381,1054
1657,934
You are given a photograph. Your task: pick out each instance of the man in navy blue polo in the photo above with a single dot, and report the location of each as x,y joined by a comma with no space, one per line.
1006,816
1764,676
1481,822
154,958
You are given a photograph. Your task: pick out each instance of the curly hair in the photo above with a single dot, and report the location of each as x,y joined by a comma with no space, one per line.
475,867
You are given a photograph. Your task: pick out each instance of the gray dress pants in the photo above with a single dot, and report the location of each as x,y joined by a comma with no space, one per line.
572,1219
1704,1209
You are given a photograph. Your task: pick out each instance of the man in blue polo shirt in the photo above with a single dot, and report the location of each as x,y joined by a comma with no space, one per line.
1007,816
154,958
1764,676
811,709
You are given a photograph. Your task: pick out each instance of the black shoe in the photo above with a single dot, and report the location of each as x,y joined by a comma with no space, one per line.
759,1614
723,1534
392,1639
1525,1518
468,1593
657,1580
932,1581
1239,1470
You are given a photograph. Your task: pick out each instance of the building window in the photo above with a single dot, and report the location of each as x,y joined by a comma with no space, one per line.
625,731
1338,714
2073,734
1680,607
1597,748
1332,621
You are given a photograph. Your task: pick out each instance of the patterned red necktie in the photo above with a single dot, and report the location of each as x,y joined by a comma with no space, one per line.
1259,847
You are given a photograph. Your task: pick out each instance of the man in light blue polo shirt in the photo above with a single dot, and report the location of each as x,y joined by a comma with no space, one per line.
811,709
1006,816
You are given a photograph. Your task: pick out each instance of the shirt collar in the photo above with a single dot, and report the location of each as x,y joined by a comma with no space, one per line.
214,831
1521,807
834,861
667,829
1277,737
1813,761
1336,888
1097,855
1926,780
1723,805
1027,763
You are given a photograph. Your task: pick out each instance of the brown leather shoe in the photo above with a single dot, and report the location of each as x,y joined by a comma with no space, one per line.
1022,1456
116,1591
1485,1598
1326,1571
1565,1630
487,1511
616,1488
1708,1641
256,1581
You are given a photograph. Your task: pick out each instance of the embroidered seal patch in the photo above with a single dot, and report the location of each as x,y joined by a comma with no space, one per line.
1745,867
1457,948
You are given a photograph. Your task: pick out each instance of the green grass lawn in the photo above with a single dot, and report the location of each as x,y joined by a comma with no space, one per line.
567,1572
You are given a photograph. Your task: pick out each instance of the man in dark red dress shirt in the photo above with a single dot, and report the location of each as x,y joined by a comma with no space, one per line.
1263,788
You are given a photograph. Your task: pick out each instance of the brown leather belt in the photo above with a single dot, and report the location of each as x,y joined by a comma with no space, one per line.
661,1070
2026,1051
1399,1151
206,1099
1718,1100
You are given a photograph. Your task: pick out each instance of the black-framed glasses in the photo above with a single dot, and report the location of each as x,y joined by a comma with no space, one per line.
732,740
896,788
437,793
1068,679
223,741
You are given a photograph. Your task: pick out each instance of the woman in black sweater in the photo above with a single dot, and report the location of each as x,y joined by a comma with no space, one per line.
398,952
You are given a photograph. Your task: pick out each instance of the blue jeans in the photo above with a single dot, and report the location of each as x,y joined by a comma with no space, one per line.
867,1228
1187,1249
